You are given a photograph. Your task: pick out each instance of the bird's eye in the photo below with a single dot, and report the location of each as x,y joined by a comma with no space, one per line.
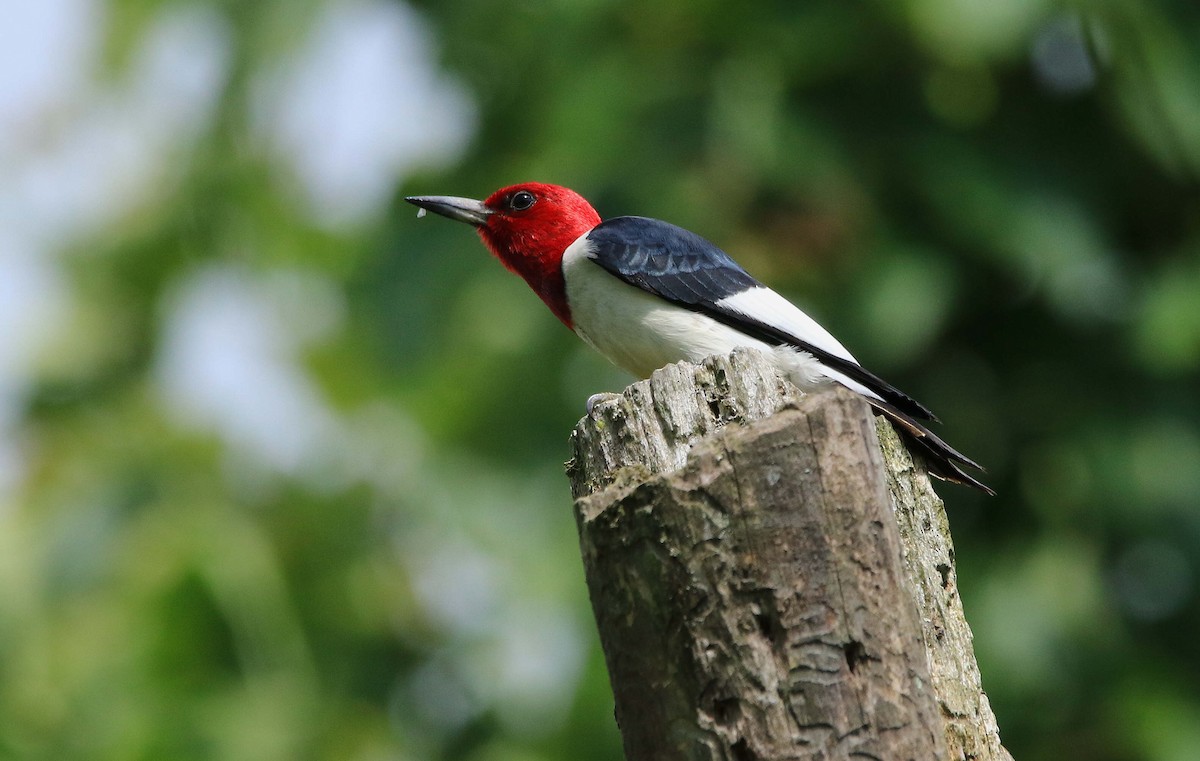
521,200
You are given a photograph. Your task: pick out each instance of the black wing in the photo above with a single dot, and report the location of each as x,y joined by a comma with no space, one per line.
685,269
668,261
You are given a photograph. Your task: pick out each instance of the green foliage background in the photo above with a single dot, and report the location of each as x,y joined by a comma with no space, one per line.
995,205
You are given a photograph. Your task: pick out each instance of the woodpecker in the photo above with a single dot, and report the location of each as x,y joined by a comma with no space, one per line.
646,293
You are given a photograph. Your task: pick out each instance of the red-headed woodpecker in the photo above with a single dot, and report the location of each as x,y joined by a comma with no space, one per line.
645,293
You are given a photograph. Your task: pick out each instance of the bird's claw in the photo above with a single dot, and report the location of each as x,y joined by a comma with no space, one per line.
595,399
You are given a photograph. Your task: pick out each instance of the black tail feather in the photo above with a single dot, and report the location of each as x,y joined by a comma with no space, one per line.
942,460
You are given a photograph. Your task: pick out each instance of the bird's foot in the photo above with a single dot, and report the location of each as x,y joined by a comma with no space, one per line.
595,399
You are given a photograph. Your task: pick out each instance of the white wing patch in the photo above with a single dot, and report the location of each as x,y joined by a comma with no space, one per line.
768,307
640,332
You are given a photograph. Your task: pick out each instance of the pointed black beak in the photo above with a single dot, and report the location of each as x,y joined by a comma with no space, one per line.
462,209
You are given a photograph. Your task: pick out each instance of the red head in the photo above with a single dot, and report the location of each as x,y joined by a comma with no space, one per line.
527,227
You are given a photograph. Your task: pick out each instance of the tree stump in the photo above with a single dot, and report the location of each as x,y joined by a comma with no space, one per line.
768,581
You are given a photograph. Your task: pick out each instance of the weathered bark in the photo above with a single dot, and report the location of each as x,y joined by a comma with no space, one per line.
781,588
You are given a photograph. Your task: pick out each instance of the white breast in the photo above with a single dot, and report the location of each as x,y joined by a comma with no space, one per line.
640,332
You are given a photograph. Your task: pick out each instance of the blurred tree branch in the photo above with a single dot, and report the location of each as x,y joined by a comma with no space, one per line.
779,589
